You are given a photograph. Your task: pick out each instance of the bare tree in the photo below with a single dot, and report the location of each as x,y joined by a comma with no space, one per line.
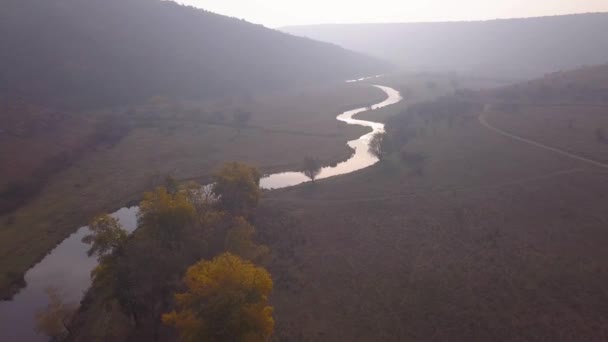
311,168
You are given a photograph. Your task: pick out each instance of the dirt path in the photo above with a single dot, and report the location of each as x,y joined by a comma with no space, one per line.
484,122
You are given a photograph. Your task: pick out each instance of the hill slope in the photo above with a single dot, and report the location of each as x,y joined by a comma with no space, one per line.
517,48
98,53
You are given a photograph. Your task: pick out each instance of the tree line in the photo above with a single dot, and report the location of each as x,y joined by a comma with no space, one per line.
192,268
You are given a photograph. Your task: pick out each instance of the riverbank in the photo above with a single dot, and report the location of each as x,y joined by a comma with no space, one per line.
110,177
491,239
89,317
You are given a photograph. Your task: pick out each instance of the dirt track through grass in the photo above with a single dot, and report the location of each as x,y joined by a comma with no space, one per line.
484,122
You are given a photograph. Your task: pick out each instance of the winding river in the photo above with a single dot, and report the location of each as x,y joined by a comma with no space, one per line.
67,268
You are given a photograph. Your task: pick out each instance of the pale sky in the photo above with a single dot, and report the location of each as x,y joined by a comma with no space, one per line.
276,13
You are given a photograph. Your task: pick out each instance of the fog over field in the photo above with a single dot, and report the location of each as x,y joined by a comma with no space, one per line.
267,170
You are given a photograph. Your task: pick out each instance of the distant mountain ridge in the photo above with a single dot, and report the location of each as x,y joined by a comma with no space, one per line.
90,53
515,48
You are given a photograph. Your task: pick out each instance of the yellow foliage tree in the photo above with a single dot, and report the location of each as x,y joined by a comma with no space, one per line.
106,236
239,241
165,214
237,187
53,321
226,300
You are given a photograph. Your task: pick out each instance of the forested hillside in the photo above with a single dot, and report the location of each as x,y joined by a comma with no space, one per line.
89,53
514,48
64,60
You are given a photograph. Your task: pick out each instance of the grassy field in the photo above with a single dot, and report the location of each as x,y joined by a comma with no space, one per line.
496,240
572,128
421,87
178,139
488,239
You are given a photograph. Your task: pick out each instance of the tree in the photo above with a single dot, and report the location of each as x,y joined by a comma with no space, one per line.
54,320
226,300
239,241
165,215
106,235
116,280
379,145
311,168
113,276
237,187
240,119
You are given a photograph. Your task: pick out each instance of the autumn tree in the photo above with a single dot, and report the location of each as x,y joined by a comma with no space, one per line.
237,187
113,277
53,321
165,215
106,235
226,300
311,168
240,241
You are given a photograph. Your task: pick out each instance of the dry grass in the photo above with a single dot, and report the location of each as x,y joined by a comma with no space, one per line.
572,128
30,134
283,130
497,241
425,87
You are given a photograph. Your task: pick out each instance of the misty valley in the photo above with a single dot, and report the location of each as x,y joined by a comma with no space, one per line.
169,173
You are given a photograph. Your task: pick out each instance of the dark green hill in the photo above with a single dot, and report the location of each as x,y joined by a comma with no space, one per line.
95,53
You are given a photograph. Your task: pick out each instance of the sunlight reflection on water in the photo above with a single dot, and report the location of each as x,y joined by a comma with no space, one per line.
359,160
67,268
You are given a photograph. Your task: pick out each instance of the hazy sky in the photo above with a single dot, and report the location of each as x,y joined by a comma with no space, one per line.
276,13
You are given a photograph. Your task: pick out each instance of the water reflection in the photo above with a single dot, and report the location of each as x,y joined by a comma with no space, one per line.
67,268
359,160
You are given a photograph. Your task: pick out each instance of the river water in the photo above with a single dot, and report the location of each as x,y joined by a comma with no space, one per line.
67,268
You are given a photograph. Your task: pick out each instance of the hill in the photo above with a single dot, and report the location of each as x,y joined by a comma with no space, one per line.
586,85
101,99
85,53
63,59
513,48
